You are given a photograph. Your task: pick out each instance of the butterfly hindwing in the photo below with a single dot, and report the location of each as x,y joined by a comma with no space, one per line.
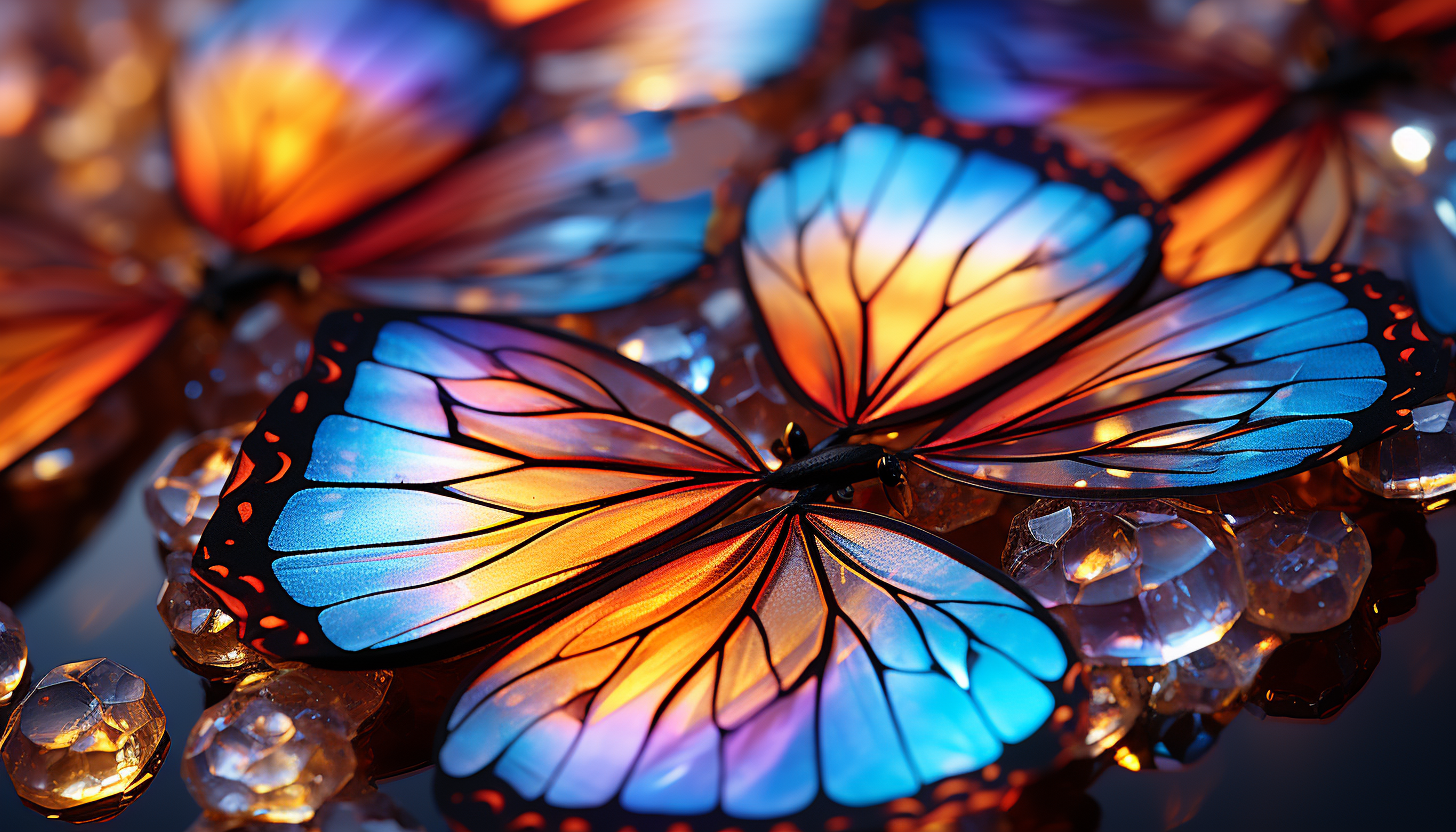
894,272
1238,380
431,473
806,658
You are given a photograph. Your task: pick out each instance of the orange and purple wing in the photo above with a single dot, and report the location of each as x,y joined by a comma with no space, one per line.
1238,380
894,272
805,660
71,325
290,117
432,474
592,213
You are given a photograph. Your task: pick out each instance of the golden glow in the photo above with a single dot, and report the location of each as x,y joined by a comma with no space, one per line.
19,92
512,13
651,91
1127,759
1413,145
1080,483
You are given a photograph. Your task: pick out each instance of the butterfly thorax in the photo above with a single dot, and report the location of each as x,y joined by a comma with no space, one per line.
829,469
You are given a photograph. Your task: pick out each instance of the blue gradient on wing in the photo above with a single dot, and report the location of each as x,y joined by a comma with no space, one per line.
397,397
409,346
1014,703
945,734
331,518
858,745
353,450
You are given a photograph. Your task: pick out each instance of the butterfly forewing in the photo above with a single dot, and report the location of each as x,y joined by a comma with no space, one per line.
434,473
895,272
1241,379
807,659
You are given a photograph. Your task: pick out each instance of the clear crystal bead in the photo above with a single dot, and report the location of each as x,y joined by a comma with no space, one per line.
184,493
1418,463
1304,570
14,657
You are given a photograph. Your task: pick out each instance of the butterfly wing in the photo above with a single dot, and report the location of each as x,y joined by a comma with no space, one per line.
591,213
1242,379
290,117
894,272
71,325
660,54
812,658
432,471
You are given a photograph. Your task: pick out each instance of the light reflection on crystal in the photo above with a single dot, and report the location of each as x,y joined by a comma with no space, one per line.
279,745
88,732
1217,676
185,491
1117,696
1133,582
14,657
1418,463
202,628
1304,570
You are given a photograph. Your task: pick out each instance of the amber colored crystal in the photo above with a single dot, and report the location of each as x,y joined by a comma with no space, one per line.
279,745
13,655
942,506
184,493
1304,570
88,732
1137,583
1117,698
198,622
1418,463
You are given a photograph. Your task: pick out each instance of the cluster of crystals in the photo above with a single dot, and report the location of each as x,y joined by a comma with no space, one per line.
14,658
1139,583
204,631
185,491
89,731
1216,677
1418,463
279,745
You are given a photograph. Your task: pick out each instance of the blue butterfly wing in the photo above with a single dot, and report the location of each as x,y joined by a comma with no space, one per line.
804,660
431,474
1241,379
593,213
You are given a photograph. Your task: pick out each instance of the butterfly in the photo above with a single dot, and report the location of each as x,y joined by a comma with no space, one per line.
288,121
1270,132
437,481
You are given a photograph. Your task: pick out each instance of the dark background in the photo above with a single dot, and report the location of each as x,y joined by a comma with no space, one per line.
1386,761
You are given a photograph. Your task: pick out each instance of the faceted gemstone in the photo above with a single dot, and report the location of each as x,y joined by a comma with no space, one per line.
1210,680
88,732
1418,463
1303,570
14,659
1313,676
280,744
1139,583
185,492
357,808
202,627
1117,698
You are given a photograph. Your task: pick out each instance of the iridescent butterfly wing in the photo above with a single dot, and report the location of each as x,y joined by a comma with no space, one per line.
433,475
894,273
799,663
660,54
1253,171
594,212
1241,379
72,323
290,117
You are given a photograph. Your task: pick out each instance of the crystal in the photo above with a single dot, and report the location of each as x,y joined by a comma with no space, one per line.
1138,583
1313,676
1213,678
1181,739
942,506
87,733
1116,699
280,744
357,808
14,658
1303,570
1418,463
184,493
204,630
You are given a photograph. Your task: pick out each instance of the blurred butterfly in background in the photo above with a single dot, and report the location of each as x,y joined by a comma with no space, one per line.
1274,131
437,481
288,119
